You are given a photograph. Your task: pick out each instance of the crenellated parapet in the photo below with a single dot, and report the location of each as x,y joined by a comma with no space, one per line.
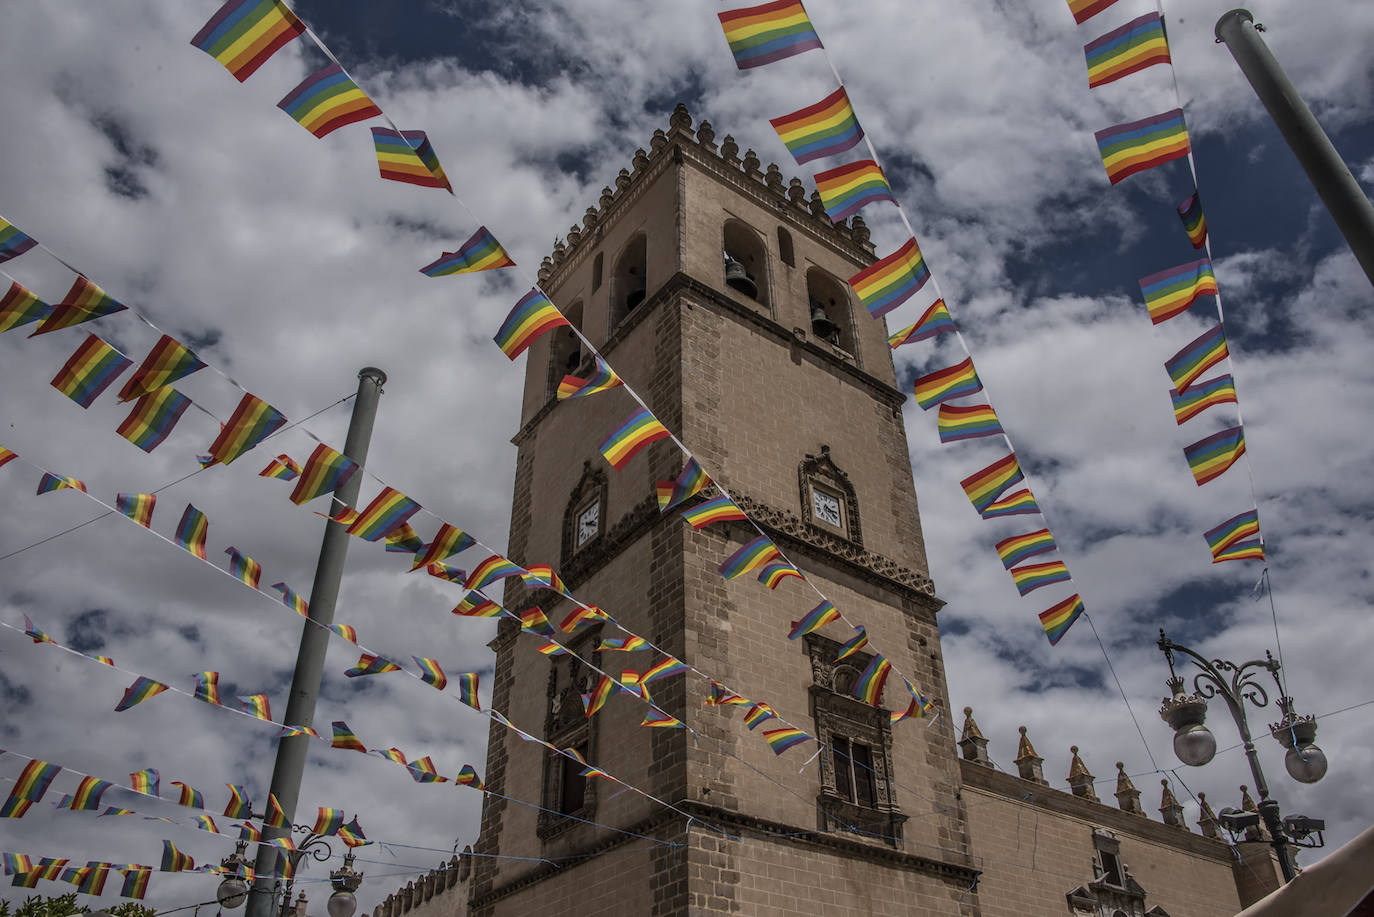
446,887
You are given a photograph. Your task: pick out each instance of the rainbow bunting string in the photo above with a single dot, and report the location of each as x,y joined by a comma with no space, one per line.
90,370
137,693
152,418
757,714
1139,145
407,156
935,320
258,706
749,557
325,472
1239,527
782,739
389,510
191,531
1058,618
639,430
449,540
189,796
292,600
1017,548
820,130
147,781
467,776
1200,355
1134,46
955,381
327,100
344,738
476,605
853,644
984,487
253,421
532,316
1208,458
1031,577
88,794
167,362
1194,220
1201,396
490,570
19,307
480,253
534,621
244,568
892,280
83,302
206,689
814,619
775,571
958,422
369,664
769,32
717,509
243,34
847,189
53,482
1172,292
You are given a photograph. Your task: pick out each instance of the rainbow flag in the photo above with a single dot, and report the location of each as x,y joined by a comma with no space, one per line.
587,770
1208,458
407,156
552,648
722,696
490,570
775,571
283,468
135,882
847,189
820,130
543,576
84,302
639,430
1172,292
656,717
243,34
769,32
275,817
532,316
595,700
292,600
116,810
1031,577
629,684
869,687
534,621
480,253
984,487
88,793
665,667
1138,44
467,776
942,385
1058,618
346,631
814,619
1236,529
1139,145
89,371
89,880
467,689
1203,395
422,770
749,557
1017,548
31,630
328,821
15,863
443,571
256,705
404,540
344,738
369,664
935,320
53,482
289,731
33,781
957,422
601,379
623,644
249,832
325,472
853,644
253,421
717,509
476,605
1083,10
7,456
328,100
782,739
892,280
238,805
1196,358
244,568
757,714
173,860
1018,503
689,482
389,510
1241,550
13,242
190,796
206,689
191,531
167,362
152,418
47,867
1194,221
19,307
448,541
352,834
206,823
147,781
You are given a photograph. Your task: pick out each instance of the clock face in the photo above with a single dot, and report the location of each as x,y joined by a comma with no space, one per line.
825,507
588,524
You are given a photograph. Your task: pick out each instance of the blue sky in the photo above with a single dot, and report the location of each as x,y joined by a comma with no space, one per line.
289,265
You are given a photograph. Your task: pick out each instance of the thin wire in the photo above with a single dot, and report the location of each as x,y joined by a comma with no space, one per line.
1111,668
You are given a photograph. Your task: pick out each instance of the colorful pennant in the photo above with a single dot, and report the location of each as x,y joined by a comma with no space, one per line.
1202,395
283,468
1206,351
147,781
206,689
466,682
1239,527
1020,547
50,483
847,189
389,510
407,156
689,482
984,487
1208,458
292,600
820,130
749,557
1058,618
625,442
814,619
369,664
243,34
255,705
1139,145
935,320
480,253
253,421
1241,550
532,316
780,740
892,280
958,422
1017,503
90,370
83,302
1083,10
1030,577
490,570
1138,44
768,32
448,541
13,241
192,530
325,472
1194,220
19,306
167,362
152,418
189,795
603,377
942,385
138,507
869,687
327,100
717,509
238,805
854,644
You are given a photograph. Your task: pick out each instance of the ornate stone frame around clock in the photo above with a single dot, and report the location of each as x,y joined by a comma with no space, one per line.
822,470
593,480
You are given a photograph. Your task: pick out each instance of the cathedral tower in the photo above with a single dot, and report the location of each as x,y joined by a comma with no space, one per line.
718,291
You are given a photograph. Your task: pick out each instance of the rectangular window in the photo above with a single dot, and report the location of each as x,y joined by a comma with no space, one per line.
853,771
572,790
1111,868
863,775
844,784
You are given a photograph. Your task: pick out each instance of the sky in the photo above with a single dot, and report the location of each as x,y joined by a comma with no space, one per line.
288,265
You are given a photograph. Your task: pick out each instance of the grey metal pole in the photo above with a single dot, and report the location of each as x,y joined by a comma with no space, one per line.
305,683
1339,191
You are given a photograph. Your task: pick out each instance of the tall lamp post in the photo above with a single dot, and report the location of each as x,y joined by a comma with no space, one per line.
1195,745
233,890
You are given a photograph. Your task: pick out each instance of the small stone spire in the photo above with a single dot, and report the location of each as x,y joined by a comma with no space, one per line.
1127,796
972,742
1207,819
1028,763
1170,809
1248,804
680,119
706,136
751,164
1080,781
729,150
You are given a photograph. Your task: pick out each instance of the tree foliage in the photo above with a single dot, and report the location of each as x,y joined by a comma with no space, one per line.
65,906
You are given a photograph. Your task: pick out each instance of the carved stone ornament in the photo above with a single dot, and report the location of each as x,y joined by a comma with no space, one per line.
821,469
591,488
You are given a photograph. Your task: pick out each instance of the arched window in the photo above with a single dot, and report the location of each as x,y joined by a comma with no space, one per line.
828,300
746,261
785,248
596,270
565,353
629,283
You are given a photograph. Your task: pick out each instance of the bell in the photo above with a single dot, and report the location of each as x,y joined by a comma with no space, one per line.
821,326
737,278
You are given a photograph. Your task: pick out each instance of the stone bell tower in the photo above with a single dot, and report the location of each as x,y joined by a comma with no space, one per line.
718,290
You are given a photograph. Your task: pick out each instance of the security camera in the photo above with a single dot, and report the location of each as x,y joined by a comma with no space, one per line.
1236,820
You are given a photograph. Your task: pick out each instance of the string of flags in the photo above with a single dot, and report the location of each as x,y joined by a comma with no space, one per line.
1136,146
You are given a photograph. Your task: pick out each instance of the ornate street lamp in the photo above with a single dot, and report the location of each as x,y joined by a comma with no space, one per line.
1195,745
233,890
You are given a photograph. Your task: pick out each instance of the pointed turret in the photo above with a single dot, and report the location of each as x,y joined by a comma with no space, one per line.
1127,796
1028,763
1170,809
1080,781
972,742
1207,819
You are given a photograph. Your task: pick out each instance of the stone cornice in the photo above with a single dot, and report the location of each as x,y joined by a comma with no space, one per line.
1025,792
